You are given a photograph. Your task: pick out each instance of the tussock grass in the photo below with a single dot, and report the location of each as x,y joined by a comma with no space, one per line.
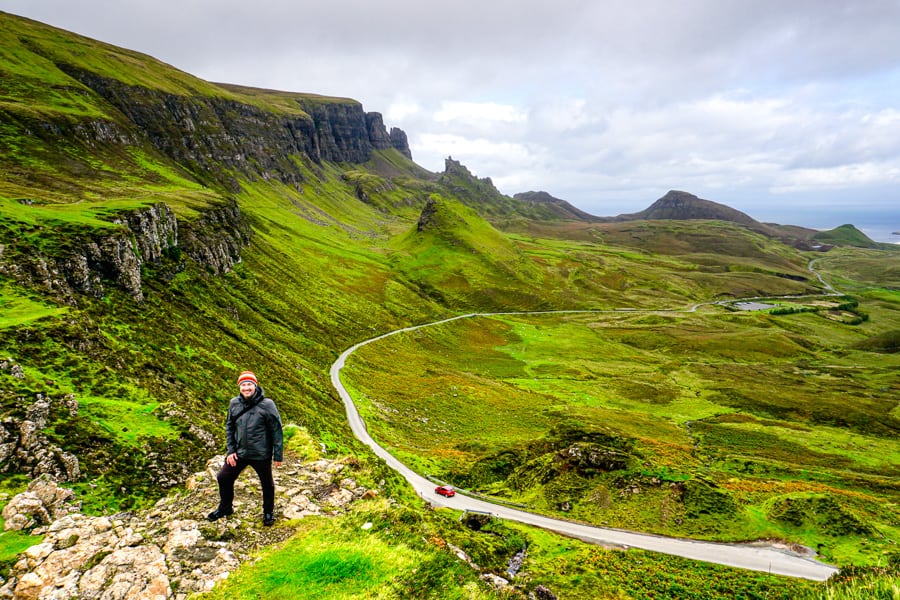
877,583
299,442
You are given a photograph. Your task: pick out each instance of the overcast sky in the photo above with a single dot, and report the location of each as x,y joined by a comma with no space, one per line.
788,110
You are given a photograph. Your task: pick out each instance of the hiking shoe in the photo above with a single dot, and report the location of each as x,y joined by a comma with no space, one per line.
218,514
268,519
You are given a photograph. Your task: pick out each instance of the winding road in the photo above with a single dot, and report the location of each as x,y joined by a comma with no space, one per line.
764,558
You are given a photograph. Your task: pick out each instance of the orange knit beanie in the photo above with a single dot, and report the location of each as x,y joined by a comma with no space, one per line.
247,376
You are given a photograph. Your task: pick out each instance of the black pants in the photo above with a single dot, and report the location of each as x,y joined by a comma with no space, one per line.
228,475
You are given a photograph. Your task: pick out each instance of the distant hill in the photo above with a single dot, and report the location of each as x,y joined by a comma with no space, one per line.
845,235
677,205
561,208
683,206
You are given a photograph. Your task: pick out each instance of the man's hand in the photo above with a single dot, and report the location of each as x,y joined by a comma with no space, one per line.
278,463
231,459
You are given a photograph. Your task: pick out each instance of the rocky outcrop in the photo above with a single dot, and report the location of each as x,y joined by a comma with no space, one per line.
401,143
42,503
25,449
154,230
151,236
85,262
216,238
378,135
382,140
455,168
589,459
171,551
427,217
541,593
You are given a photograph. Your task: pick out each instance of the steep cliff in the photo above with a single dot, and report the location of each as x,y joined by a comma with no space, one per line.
89,103
400,142
222,139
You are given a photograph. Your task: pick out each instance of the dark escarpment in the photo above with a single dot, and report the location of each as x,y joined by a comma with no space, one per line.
381,139
219,139
400,142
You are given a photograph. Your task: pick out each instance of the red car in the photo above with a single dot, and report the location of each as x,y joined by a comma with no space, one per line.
445,490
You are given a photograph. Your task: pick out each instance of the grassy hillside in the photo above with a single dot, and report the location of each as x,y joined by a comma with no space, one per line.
680,404
845,235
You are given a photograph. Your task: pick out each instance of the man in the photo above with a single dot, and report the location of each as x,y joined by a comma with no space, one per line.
253,438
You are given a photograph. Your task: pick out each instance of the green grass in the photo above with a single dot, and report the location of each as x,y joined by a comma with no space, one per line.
299,442
322,569
405,553
128,419
876,583
13,543
339,559
33,50
324,270
18,308
845,235
580,571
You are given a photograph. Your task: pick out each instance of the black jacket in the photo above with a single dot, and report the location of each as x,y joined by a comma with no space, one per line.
255,434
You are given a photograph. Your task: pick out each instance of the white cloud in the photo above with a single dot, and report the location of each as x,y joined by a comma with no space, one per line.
481,149
479,113
402,109
841,176
566,114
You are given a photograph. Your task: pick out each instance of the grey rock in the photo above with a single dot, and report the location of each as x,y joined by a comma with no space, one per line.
169,551
400,142
25,449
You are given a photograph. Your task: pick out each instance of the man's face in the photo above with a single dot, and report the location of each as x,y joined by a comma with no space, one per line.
247,388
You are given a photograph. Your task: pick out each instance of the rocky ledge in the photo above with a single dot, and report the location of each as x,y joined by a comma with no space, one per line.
151,237
171,550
